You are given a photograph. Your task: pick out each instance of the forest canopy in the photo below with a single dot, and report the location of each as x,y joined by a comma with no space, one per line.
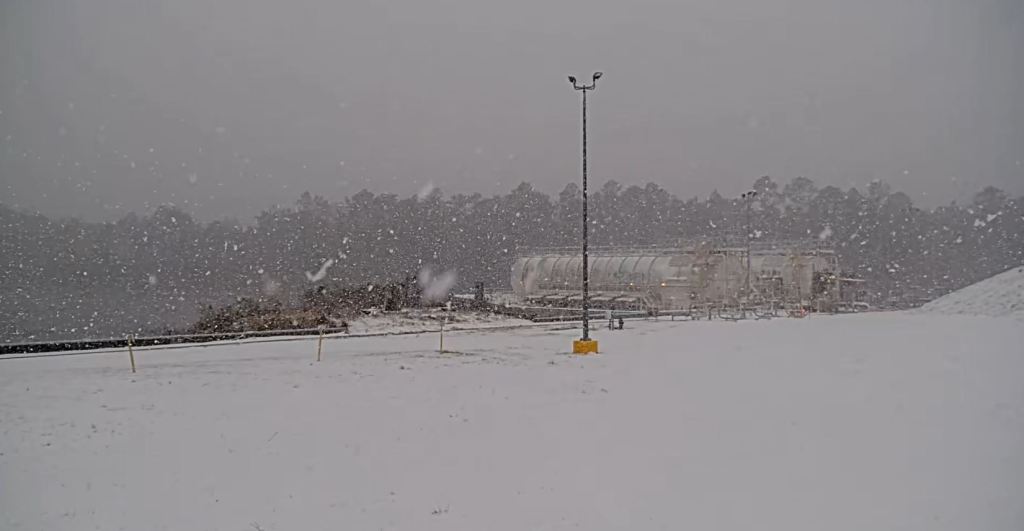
149,273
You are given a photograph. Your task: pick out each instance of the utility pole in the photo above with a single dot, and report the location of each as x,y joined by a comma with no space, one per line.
748,197
585,345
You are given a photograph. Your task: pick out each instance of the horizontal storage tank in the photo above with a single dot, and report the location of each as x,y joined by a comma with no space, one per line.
531,274
669,278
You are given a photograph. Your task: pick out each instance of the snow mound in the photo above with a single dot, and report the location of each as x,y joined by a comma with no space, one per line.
999,296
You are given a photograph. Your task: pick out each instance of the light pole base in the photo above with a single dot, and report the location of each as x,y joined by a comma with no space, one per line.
584,346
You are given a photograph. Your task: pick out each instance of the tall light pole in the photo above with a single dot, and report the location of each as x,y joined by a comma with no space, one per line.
585,345
748,197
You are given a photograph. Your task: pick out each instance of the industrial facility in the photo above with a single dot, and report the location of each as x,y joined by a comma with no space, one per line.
778,275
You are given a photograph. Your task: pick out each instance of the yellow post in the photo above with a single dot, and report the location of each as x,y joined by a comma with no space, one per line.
584,346
320,344
131,353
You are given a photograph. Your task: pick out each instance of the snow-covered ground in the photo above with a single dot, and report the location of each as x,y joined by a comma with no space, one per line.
1001,295
429,320
871,421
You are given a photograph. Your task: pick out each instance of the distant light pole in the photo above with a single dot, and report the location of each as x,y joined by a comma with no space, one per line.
748,197
585,345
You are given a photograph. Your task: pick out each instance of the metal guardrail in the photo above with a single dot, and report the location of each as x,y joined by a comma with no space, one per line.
560,317
93,344
174,342
284,336
178,341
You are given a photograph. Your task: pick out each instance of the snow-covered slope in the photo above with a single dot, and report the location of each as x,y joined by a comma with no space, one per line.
999,296
849,423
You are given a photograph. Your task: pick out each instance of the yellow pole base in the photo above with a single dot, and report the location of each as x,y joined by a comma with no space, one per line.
584,346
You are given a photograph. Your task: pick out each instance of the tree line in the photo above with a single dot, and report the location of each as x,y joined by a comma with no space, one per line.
66,278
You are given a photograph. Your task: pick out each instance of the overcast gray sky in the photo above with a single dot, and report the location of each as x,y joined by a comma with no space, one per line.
230,106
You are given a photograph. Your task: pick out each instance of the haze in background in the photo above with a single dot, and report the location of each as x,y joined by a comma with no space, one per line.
227,107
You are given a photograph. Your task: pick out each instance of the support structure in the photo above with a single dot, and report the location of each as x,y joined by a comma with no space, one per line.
320,343
585,345
748,198
131,352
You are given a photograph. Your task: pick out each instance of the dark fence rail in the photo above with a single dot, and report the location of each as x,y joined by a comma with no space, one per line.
537,314
94,344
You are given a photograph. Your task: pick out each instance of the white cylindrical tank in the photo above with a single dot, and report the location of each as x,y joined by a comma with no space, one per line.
673,278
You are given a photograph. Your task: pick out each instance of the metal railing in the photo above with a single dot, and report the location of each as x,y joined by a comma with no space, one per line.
144,341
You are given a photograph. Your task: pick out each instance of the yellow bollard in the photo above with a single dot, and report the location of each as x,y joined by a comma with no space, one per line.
131,353
320,344
584,346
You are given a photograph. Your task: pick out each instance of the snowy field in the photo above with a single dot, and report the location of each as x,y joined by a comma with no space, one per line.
872,421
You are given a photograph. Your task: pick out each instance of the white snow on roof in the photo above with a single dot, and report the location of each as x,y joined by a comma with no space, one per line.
998,296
